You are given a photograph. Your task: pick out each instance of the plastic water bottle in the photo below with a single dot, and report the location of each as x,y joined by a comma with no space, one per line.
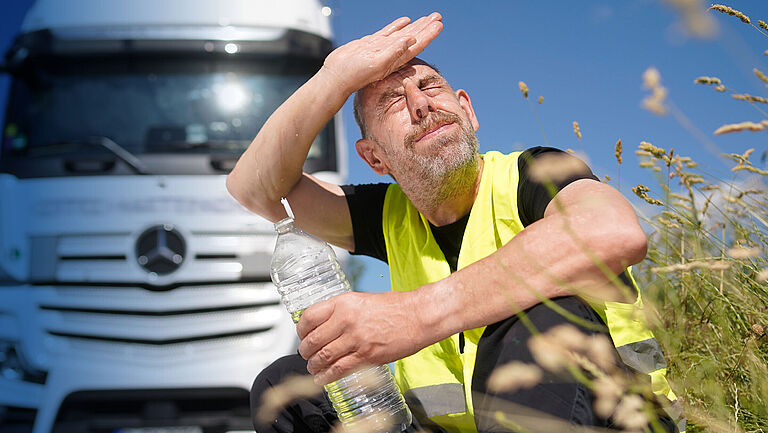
305,270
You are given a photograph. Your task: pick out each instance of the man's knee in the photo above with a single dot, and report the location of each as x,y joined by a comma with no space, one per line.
543,316
507,341
273,374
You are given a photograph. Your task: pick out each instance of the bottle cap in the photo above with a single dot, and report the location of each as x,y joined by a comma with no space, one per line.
286,223
287,208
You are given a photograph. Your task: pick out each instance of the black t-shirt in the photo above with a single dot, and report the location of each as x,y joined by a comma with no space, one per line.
366,205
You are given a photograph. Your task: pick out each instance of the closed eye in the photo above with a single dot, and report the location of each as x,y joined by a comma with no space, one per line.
432,89
393,101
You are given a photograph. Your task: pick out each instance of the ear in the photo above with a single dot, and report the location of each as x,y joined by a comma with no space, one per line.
370,152
466,105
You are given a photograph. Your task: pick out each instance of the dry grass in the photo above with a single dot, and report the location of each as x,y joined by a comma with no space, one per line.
703,283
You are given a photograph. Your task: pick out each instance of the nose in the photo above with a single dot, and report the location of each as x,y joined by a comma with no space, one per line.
419,104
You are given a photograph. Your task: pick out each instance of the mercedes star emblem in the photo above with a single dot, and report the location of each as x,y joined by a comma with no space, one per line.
160,249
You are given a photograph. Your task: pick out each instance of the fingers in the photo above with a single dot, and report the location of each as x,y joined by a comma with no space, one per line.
393,26
403,23
342,367
416,36
318,338
328,354
425,36
313,317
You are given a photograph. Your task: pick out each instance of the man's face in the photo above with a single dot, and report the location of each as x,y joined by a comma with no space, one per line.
423,128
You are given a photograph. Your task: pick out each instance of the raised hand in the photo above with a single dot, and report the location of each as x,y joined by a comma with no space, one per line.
371,58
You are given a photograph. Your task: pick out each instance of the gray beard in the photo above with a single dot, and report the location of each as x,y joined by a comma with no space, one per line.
431,180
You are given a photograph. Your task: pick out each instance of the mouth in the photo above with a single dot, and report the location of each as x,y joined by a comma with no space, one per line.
436,130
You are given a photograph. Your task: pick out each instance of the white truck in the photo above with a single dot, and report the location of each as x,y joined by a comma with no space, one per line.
134,291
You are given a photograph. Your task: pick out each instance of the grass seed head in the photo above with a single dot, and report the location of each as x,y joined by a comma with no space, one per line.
749,98
629,413
607,394
555,167
658,152
554,350
651,78
742,126
568,336
618,151
277,397
713,265
759,73
762,276
695,19
513,376
642,192
708,80
740,252
523,88
541,99
762,24
600,350
731,11
547,354
576,129
655,101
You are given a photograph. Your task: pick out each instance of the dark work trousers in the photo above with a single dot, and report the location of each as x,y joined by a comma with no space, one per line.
501,343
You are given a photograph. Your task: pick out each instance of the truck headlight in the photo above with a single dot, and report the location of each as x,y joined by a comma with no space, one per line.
13,366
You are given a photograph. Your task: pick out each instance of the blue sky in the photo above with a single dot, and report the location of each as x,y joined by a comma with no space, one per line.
586,59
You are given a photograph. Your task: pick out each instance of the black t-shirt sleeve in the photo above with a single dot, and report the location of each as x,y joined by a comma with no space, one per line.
366,206
532,196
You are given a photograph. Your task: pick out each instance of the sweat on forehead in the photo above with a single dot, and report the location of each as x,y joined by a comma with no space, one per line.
357,102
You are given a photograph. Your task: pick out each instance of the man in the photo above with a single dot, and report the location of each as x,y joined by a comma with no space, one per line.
466,250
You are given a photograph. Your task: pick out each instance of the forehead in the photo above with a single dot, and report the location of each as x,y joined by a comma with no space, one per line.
414,70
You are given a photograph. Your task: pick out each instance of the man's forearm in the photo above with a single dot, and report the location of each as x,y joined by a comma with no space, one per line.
272,164
556,256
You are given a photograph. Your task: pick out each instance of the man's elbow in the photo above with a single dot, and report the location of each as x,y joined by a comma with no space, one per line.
239,191
637,246
233,187
630,245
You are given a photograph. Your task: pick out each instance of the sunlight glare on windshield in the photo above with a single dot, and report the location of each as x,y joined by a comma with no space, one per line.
231,96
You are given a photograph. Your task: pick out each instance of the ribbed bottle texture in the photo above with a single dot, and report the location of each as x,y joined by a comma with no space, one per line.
305,271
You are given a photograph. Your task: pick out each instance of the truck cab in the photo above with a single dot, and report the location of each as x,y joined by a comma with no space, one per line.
134,291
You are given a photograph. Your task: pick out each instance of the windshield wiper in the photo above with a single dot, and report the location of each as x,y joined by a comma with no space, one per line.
233,145
127,157
119,151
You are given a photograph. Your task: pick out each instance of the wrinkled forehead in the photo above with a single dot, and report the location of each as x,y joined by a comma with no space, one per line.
416,68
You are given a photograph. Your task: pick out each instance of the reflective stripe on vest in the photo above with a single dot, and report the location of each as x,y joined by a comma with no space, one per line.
432,378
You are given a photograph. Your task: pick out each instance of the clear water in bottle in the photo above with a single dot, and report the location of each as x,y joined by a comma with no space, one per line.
305,271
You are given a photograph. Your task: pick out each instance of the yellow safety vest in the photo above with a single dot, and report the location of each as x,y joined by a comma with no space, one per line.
440,376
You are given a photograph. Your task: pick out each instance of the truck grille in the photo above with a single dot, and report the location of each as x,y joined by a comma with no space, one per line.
99,301
112,259
92,317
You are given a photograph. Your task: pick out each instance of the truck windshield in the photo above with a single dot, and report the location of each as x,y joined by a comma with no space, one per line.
153,108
